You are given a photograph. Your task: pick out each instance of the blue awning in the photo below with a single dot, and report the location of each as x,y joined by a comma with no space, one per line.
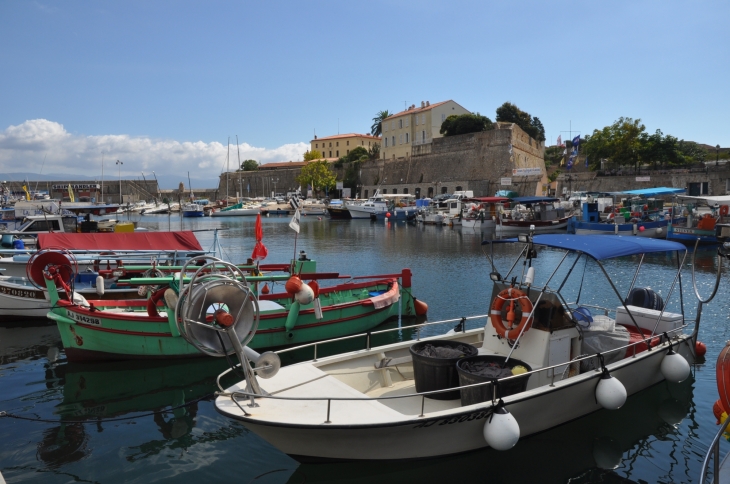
652,192
602,247
525,200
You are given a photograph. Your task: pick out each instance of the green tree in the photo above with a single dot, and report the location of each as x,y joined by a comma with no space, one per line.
621,143
377,128
553,155
312,155
356,153
318,175
249,165
509,113
465,123
374,151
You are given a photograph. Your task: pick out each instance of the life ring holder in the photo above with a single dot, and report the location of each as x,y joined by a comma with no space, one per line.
724,210
37,267
117,261
511,294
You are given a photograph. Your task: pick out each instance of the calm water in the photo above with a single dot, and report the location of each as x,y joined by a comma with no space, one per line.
151,422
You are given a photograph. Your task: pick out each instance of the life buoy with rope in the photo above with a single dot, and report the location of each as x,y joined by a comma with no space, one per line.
724,209
510,296
117,262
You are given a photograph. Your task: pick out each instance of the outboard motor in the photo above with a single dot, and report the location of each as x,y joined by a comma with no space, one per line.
644,297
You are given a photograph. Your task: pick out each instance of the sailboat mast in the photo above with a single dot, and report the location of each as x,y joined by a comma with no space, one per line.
239,168
228,167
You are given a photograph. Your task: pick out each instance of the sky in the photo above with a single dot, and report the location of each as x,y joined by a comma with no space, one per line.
163,86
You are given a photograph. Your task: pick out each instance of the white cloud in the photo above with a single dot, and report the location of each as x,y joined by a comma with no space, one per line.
24,147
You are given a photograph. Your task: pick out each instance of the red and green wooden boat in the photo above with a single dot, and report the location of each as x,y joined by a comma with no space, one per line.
147,328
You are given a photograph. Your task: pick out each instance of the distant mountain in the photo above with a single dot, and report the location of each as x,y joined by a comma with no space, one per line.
167,182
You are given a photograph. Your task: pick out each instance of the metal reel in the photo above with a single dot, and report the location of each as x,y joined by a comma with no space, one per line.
204,299
39,263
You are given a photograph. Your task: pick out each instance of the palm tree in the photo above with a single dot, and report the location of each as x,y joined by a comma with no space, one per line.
377,127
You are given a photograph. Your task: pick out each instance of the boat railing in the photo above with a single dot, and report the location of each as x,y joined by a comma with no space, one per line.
423,395
713,453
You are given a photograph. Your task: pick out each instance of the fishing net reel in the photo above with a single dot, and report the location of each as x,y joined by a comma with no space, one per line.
218,300
40,263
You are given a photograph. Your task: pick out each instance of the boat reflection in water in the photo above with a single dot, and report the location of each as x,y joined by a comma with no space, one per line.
99,395
591,449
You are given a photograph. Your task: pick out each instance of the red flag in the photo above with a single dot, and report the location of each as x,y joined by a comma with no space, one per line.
259,251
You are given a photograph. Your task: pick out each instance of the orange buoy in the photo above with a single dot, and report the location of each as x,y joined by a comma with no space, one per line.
421,307
700,348
223,318
293,285
265,289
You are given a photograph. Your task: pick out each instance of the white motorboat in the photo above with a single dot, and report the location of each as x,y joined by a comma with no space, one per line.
238,210
481,213
373,205
539,214
556,364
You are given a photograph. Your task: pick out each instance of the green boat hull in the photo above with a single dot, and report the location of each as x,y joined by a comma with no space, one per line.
116,330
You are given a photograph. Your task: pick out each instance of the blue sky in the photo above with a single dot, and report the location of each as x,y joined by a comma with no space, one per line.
163,85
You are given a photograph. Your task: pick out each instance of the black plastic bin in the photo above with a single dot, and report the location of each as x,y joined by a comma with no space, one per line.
434,373
483,393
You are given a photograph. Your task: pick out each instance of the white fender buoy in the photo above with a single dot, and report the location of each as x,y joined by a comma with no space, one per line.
100,285
674,367
501,431
305,295
610,393
530,277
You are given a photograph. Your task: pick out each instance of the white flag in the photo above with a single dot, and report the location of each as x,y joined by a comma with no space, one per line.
294,224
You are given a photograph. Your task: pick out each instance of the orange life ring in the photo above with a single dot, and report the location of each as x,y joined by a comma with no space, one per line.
510,294
724,209
722,375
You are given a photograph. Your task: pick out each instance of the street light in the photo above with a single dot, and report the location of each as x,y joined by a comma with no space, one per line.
119,164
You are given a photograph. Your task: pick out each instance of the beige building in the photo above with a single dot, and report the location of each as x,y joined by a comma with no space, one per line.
341,144
415,126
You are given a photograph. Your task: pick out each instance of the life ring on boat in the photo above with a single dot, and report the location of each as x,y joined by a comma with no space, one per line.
512,295
117,262
152,302
724,209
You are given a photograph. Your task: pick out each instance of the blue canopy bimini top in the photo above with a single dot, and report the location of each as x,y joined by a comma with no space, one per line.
524,200
652,192
602,247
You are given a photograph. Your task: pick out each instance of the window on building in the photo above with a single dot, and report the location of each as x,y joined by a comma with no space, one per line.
392,141
444,190
408,120
330,144
458,189
400,140
366,194
348,152
406,137
405,190
423,119
330,154
316,145
416,120
418,192
443,117
392,124
348,142
385,126
385,190
362,143
430,192
423,135
337,143
400,123
395,191
338,153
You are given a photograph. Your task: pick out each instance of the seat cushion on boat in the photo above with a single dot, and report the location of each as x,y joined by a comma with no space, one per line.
638,337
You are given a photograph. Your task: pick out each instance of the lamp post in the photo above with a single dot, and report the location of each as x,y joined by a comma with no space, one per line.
119,164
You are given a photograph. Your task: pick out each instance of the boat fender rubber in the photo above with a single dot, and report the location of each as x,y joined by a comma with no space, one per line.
152,302
501,430
674,367
291,319
610,392
512,295
100,285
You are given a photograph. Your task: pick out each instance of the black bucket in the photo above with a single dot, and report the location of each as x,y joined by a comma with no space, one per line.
483,393
438,373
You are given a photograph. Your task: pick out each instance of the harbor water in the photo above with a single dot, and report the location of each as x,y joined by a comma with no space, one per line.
142,422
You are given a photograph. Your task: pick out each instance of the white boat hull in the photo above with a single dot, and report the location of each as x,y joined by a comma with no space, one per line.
444,432
236,212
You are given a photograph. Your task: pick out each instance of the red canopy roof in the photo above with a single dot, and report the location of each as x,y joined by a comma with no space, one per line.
181,240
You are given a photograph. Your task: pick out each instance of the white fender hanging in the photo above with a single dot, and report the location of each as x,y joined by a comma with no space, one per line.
674,367
610,393
501,431
100,285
